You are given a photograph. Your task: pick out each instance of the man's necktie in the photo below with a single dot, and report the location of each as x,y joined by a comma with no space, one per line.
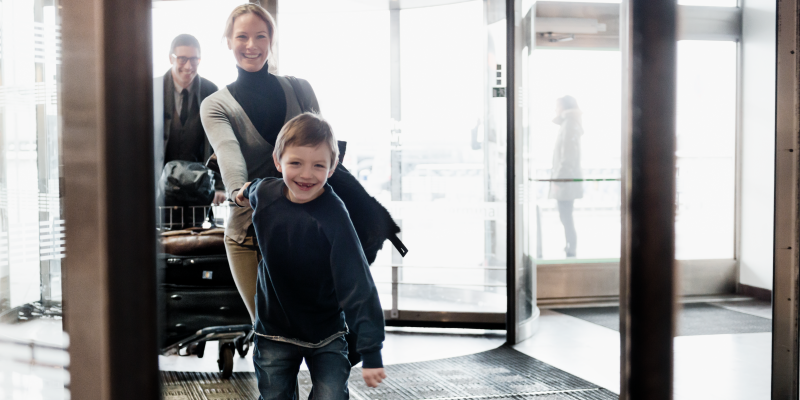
184,106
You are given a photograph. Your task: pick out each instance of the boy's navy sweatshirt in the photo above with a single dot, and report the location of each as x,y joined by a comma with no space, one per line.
313,274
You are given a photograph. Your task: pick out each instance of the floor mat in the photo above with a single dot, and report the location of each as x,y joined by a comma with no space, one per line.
499,374
693,319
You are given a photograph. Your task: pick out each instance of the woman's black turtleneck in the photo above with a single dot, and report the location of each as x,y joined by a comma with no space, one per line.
262,98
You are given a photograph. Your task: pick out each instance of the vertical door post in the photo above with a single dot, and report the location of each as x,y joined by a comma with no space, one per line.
785,250
109,200
648,258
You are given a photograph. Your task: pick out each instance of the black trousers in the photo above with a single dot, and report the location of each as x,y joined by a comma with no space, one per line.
565,209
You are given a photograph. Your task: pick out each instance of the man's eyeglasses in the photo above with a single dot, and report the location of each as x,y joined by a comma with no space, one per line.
182,60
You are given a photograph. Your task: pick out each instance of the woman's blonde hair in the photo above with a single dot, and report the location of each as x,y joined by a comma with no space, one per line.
250,8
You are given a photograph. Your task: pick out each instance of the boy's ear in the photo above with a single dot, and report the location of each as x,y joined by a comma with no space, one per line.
333,168
277,162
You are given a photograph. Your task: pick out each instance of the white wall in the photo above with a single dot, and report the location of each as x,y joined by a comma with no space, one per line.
758,142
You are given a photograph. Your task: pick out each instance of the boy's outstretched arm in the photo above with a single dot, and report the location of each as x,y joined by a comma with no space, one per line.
373,376
242,196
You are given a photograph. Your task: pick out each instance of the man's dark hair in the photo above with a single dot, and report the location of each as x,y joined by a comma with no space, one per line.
184,39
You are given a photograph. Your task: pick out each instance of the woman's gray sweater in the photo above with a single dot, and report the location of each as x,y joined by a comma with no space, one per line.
242,153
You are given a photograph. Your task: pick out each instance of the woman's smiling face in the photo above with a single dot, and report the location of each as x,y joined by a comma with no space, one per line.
250,42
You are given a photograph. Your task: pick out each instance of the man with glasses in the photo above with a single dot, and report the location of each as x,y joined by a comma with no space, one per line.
181,91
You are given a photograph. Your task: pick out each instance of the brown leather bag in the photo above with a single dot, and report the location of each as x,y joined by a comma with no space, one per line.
194,242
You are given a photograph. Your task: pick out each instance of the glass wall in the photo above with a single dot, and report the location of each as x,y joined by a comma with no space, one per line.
577,185
31,223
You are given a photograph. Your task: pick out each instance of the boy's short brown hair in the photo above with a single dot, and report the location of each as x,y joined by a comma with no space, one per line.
307,129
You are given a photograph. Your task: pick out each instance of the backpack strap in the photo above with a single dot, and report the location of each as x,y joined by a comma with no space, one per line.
304,107
401,248
298,93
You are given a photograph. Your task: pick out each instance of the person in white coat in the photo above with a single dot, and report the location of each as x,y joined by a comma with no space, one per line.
566,175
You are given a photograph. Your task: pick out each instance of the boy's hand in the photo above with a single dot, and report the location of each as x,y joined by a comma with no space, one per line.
240,199
373,376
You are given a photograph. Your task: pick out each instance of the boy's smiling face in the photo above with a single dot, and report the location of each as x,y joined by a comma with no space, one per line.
305,170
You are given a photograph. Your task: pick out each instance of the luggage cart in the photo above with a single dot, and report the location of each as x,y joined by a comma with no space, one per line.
231,338
201,302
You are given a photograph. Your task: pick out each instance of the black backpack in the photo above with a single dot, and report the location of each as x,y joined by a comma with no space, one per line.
372,221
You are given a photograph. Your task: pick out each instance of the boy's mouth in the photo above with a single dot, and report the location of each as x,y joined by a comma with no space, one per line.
304,186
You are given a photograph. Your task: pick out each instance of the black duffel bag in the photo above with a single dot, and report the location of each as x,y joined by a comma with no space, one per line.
186,183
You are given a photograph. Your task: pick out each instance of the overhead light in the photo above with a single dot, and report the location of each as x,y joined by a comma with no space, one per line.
568,25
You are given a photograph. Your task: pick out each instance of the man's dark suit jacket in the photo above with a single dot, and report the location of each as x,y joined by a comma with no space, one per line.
164,101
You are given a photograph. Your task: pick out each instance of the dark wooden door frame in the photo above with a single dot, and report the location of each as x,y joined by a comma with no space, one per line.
647,265
109,271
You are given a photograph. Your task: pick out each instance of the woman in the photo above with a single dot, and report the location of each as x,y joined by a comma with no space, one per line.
242,122
567,167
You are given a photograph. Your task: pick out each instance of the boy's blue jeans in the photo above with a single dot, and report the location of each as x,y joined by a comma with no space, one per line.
277,364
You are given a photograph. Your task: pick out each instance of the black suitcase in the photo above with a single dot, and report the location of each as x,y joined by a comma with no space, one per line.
199,292
191,308
205,271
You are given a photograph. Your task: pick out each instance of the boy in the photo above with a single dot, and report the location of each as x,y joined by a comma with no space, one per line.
313,273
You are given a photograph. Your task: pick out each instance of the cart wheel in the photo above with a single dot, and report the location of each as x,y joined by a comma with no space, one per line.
242,346
200,350
225,361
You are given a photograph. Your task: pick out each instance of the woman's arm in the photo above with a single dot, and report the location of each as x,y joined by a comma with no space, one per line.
219,130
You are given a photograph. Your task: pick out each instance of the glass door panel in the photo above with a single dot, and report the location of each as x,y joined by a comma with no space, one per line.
414,103
450,216
706,133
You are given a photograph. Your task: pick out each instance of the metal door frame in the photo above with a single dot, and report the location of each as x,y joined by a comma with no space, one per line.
786,244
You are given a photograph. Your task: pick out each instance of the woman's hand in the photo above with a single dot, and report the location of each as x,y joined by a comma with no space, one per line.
240,199
373,376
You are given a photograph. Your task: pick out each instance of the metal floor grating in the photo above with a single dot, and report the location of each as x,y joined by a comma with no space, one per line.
499,374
